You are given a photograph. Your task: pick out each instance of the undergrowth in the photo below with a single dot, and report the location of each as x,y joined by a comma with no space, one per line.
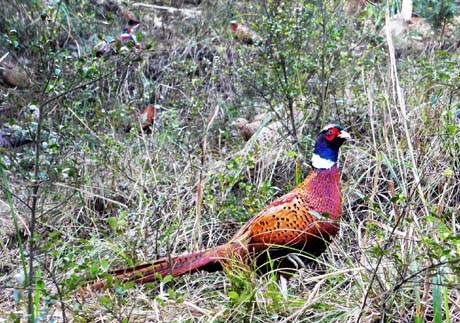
89,195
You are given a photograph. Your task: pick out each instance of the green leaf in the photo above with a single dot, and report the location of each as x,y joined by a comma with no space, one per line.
104,300
112,222
105,264
233,295
323,216
167,278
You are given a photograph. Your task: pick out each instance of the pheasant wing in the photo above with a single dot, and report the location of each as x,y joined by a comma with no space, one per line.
287,220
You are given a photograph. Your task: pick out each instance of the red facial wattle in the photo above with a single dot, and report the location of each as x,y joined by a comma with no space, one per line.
332,133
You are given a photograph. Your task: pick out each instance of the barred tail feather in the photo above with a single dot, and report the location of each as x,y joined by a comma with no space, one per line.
208,260
175,266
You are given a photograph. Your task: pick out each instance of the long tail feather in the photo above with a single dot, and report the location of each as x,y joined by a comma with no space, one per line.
208,259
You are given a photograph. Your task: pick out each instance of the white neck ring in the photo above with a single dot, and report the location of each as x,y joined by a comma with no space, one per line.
318,162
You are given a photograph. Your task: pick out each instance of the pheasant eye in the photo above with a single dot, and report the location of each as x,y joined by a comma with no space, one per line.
331,133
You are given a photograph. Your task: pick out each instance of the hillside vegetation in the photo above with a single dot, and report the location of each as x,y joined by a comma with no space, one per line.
91,191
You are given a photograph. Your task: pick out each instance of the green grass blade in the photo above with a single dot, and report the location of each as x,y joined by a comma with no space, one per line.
446,303
38,285
437,299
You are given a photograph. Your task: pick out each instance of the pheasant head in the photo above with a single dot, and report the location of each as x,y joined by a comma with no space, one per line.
327,146
234,25
127,37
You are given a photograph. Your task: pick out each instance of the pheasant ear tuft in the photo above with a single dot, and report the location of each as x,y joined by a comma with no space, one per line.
233,26
331,125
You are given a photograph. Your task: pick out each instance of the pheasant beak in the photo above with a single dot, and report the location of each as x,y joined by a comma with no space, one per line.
344,135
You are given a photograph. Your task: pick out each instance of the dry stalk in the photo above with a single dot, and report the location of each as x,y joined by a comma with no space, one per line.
196,234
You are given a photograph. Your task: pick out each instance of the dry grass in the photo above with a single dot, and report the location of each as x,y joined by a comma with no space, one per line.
109,198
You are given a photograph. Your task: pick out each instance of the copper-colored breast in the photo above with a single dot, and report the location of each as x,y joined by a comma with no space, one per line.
312,209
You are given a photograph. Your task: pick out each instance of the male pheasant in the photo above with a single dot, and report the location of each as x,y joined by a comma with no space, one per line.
110,46
301,221
244,33
127,37
146,117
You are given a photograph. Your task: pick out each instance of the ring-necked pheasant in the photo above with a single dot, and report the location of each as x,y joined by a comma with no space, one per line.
269,134
146,117
126,37
301,221
110,46
244,33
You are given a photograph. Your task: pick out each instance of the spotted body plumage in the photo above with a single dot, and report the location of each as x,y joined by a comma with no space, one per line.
301,221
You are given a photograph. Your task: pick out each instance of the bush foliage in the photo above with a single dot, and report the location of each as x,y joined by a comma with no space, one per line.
90,195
